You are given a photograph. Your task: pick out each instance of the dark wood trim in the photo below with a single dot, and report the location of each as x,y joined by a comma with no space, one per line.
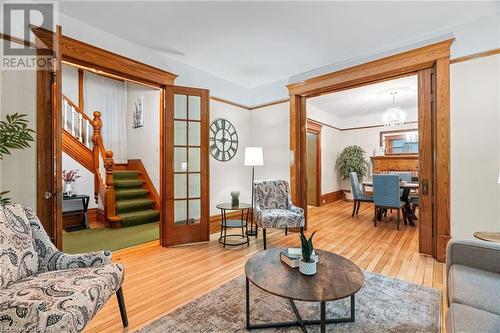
408,62
475,56
315,129
246,107
80,90
330,197
382,133
265,105
77,151
354,128
225,101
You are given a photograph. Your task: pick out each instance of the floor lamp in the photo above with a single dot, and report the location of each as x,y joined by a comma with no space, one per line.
253,157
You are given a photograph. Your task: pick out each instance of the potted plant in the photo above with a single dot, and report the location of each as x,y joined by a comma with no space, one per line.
307,264
69,177
14,134
352,159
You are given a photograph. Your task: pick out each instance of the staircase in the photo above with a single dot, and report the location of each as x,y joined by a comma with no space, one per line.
124,191
132,203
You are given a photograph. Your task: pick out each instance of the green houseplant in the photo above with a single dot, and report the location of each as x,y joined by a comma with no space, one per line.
14,134
352,159
307,264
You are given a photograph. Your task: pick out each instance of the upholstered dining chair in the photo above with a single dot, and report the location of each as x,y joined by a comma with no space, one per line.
386,195
403,175
274,207
45,290
358,195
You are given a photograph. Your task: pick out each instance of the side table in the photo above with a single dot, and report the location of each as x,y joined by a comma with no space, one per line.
226,224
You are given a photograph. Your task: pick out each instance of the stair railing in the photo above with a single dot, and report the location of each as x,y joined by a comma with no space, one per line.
103,175
76,122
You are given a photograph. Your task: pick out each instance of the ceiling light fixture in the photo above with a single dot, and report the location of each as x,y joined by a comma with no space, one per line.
394,116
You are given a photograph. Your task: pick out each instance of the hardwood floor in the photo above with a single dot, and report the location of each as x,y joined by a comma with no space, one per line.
158,280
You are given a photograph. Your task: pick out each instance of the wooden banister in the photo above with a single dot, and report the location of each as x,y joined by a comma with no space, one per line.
84,115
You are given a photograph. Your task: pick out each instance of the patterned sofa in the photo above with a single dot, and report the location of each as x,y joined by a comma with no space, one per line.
274,207
45,290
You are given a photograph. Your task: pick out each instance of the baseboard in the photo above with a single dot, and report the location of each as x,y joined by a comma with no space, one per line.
331,197
215,220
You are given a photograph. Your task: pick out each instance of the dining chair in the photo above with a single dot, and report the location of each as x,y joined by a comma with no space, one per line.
358,195
403,175
386,195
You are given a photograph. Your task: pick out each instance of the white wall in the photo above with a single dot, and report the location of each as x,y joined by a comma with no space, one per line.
331,146
83,185
231,175
18,171
144,142
70,82
271,130
475,146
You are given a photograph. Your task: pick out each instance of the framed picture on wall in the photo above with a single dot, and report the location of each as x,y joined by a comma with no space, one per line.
138,116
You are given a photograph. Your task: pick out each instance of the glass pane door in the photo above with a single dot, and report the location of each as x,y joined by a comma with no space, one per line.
187,204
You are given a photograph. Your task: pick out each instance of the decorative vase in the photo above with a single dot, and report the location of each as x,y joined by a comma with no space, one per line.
235,201
68,189
307,268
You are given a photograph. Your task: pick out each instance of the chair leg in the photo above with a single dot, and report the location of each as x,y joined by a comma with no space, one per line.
354,208
357,209
121,305
264,237
398,220
286,231
375,215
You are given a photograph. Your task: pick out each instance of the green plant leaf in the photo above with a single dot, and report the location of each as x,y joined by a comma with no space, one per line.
352,159
14,133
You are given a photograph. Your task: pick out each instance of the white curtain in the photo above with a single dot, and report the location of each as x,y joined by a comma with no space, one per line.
109,97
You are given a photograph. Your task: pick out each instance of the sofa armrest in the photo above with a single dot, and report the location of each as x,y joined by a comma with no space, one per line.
60,260
296,209
473,253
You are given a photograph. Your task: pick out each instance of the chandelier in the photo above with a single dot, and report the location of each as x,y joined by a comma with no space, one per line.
394,116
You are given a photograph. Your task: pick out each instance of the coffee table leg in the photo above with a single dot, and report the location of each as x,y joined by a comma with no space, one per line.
247,303
353,312
323,317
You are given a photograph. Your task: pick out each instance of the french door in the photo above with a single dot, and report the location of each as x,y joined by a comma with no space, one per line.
186,209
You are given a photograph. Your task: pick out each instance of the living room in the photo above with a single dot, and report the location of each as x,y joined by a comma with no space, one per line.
232,161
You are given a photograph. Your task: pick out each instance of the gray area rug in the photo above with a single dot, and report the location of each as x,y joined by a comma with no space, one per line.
382,305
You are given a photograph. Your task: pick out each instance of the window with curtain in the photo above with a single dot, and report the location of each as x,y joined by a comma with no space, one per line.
109,97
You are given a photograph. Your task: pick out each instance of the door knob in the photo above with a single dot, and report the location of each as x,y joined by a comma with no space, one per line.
48,195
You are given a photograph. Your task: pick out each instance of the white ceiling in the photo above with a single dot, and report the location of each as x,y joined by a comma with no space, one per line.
369,99
256,43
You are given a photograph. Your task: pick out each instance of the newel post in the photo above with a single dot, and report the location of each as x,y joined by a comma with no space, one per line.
96,137
109,165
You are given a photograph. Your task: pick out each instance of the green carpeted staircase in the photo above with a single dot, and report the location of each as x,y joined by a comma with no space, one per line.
132,203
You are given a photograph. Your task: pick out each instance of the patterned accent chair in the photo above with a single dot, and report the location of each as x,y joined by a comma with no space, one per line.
45,290
274,207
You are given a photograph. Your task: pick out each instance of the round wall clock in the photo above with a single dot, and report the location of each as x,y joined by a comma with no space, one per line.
223,140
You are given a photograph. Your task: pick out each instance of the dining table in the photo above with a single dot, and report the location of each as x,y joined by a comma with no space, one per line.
407,187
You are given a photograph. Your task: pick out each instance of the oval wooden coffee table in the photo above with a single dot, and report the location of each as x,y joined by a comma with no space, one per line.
336,278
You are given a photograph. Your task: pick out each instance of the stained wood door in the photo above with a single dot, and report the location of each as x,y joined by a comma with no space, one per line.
187,165
49,153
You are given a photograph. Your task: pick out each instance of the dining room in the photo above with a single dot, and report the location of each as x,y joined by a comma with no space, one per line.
363,147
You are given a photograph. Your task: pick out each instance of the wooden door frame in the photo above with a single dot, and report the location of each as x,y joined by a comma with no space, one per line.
103,61
315,128
436,56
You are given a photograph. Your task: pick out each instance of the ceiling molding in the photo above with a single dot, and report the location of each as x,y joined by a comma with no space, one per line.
249,108
475,56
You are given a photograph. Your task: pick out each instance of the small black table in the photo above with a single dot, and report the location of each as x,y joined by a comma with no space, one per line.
85,206
229,224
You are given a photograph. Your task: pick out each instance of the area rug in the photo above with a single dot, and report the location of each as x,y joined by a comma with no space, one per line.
382,305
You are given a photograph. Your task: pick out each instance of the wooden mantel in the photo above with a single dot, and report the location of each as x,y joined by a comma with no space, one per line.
387,163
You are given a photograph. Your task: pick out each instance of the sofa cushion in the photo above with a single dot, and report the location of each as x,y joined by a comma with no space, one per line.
474,287
58,301
464,319
280,218
18,258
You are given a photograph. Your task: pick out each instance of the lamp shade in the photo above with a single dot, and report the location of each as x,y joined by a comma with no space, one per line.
254,156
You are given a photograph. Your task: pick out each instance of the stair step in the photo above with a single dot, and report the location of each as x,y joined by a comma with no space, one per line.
141,217
125,174
133,205
128,183
132,193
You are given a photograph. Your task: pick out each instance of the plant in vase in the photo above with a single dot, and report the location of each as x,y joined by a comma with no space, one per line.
235,198
307,264
69,177
352,159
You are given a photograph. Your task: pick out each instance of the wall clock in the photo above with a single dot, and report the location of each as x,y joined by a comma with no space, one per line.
223,140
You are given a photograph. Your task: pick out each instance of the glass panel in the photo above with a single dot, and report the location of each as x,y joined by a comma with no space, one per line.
194,211
180,160
194,159
194,107
180,134
180,212
194,185
194,133
180,105
180,186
